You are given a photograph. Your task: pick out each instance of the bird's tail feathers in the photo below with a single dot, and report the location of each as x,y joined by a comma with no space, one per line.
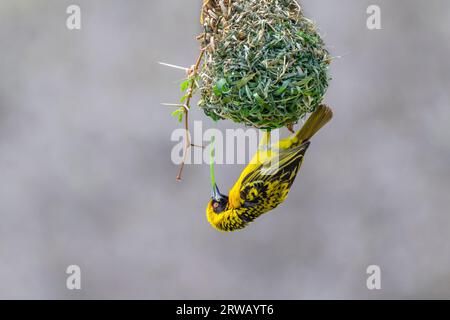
315,122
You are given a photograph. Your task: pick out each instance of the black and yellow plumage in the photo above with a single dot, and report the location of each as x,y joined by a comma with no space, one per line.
267,179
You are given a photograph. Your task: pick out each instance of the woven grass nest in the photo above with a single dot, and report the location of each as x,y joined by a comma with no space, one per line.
265,64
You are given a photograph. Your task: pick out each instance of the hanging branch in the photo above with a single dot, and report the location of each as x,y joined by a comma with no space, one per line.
192,73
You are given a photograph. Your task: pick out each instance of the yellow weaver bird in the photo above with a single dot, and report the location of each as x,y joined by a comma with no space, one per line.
266,181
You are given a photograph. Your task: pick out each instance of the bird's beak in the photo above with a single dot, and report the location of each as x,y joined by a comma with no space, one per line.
215,193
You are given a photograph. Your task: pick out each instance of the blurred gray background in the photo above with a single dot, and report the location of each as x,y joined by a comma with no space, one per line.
87,179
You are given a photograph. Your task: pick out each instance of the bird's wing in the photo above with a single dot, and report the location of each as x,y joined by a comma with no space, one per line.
268,185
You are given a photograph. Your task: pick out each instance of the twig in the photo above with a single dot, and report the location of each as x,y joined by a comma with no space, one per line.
192,72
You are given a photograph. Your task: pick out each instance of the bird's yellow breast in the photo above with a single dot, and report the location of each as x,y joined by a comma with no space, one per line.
228,220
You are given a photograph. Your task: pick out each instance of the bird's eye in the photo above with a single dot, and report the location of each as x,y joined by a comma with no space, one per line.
220,206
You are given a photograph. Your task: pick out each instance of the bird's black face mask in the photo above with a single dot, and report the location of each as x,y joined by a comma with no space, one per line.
219,201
